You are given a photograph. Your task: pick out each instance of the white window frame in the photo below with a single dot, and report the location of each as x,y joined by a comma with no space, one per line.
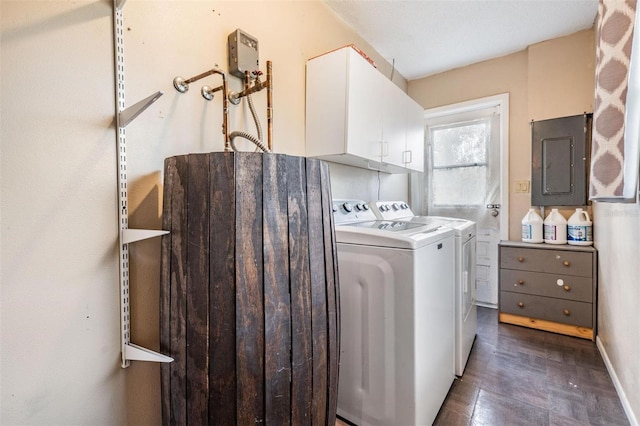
501,101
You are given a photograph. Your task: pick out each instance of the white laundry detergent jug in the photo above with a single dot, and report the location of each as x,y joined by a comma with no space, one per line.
580,229
555,228
532,227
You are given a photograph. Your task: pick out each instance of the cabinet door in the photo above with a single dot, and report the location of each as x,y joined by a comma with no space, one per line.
394,125
414,156
364,108
326,108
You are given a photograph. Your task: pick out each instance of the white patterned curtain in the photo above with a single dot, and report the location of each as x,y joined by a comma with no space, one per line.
615,153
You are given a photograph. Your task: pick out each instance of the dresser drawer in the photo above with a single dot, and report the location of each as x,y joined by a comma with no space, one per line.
547,308
547,260
551,285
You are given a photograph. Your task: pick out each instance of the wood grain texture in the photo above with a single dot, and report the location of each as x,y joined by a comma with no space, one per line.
249,299
197,293
249,290
179,289
319,321
277,315
301,339
554,327
222,291
333,295
165,289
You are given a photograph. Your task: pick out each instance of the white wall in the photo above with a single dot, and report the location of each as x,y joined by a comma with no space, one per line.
59,323
617,238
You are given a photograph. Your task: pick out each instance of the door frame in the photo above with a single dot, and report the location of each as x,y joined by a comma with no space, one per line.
502,101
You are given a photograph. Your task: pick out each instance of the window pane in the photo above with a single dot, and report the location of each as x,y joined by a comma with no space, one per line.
462,186
460,144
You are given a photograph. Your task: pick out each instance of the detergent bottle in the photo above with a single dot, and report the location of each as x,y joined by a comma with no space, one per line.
580,229
555,228
532,227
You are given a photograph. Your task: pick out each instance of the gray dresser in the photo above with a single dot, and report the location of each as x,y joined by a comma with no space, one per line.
549,287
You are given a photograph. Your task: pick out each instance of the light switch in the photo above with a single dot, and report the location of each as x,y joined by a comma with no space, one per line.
522,186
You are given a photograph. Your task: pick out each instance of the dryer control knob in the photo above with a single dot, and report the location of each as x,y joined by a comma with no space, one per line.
334,208
365,207
404,206
359,207
395,206
347,207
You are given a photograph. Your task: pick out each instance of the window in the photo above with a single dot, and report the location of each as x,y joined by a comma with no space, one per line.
459,162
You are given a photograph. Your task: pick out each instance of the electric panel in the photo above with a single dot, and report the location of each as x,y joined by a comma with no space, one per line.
560,161
243,53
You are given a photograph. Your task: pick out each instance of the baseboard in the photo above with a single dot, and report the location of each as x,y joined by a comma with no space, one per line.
616,383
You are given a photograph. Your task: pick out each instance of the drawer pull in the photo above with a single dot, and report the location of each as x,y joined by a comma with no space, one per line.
566,263
521,305
566,312
521,282
567,288
520,259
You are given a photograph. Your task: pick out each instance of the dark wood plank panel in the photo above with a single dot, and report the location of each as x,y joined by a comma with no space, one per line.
276,292
197,296
252,295
222,296
249,289
178,289
332,294
301,377
318,293
165,289
336,274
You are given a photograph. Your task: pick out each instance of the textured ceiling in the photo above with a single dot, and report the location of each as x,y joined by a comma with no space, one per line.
424,37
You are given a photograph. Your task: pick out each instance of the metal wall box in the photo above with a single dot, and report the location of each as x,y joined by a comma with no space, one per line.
560,161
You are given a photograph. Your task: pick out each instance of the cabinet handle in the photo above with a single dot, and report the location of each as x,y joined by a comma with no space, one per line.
520,282
520,259
566,263
566,312
520,304
407,157
384,149
567,288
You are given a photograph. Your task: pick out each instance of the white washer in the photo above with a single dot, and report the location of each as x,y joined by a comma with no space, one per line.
397,317
465,301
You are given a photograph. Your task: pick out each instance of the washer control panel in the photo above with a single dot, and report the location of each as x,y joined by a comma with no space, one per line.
391,210
348,211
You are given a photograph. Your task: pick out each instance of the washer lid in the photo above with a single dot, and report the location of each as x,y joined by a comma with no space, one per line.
391,225
406,235
461,226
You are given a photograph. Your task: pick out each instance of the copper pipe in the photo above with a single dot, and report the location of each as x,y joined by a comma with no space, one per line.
269,107
247,81
203,75
248,90
183,85
225,113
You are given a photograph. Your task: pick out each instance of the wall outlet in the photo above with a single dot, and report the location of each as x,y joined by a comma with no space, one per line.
522,187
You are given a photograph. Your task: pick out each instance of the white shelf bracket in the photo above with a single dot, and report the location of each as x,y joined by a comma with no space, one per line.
138,353
128,236
129,114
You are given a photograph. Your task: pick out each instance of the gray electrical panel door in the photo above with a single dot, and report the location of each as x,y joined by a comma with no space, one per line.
560,161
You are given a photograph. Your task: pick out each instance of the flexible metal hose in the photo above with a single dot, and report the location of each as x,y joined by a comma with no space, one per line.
256,120
248,137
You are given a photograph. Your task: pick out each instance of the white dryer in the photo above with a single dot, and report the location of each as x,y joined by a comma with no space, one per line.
465,260
397,317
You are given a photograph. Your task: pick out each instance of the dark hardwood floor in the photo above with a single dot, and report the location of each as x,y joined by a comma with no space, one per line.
520,376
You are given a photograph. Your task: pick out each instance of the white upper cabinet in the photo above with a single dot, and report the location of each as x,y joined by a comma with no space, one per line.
356,116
